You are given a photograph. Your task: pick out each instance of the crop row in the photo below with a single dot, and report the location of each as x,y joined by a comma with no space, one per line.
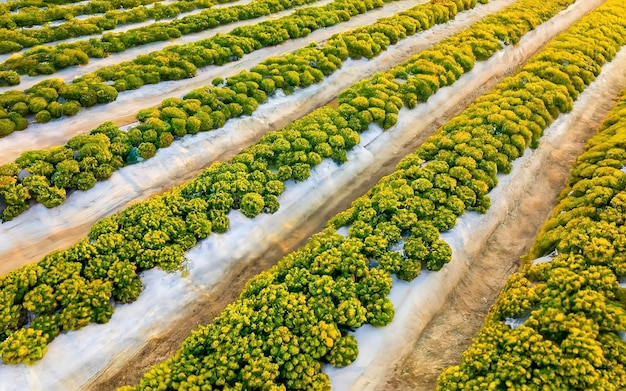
336,283
94,156
557,321
57,291
14,6
172,63
55,58
32,14
292,26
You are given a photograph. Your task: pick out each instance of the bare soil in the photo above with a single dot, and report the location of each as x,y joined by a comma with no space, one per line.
124,120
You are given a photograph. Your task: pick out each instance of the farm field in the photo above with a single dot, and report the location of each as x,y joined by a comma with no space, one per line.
313,195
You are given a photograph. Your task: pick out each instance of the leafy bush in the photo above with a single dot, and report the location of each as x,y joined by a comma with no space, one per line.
9,78
251,204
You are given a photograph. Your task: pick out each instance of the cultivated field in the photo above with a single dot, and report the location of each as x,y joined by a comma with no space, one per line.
334,194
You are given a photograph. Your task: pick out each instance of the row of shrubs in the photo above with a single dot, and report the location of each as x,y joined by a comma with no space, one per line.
15,5
157,232
49,59
37,13
224,48
556,323
49,100
88,158
393,229
174,63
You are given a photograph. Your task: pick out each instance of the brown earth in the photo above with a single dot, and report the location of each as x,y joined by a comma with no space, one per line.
124,120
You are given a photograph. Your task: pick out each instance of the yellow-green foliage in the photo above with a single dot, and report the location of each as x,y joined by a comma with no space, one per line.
571,308
421,199
416,202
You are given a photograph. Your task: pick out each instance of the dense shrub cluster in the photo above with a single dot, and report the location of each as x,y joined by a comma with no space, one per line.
556,322
9,78
47,100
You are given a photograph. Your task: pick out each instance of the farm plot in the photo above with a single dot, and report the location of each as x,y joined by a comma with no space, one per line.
354,115
19,230
180,369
